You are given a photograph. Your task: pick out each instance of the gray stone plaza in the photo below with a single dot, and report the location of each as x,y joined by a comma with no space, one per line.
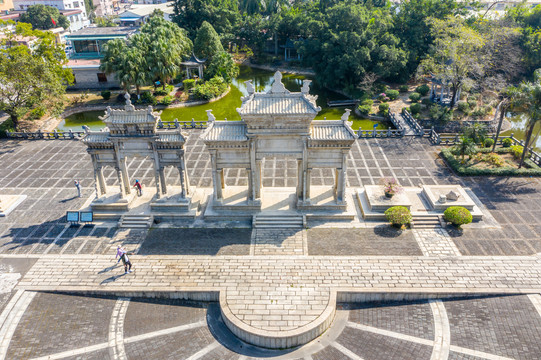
213,279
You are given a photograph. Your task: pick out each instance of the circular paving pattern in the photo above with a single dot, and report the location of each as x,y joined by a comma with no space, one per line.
62,326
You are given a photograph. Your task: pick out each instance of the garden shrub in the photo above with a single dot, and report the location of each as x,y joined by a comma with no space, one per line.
530,169
507,142
392,94
426,102
494,159
106,94
162,92
188,84
36,113
211,89
364,109
403,88
423,89
489,142
5,127
380,88
472,103
415,108
398,215
384,108
478,112
167,100
120,98
457,215
147,98
517,150
442,114
415,97
463,106
369,102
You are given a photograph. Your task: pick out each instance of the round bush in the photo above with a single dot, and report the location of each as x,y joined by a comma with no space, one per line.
364,109
403,88
415,97
463,106
517,151
368,102
489,142
384,108
507,142
426,102
392,94
423,89
415,108
457,215
106,94
398,215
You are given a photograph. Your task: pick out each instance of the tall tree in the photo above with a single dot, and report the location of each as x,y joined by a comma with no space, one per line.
44,17
165,46
31,79
456,55
222,14
412,24
207,42
526,99
223,65
349,40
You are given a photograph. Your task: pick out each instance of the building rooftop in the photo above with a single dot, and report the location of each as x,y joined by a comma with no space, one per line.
225,131
331,130
109,32
145,10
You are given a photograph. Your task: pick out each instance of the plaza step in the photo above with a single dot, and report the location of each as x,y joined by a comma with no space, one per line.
425,221
278,221
136,221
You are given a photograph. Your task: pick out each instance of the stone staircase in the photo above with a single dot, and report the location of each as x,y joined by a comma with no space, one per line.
136,221
428,221
278,221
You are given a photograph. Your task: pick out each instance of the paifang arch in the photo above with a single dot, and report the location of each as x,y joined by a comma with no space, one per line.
279,122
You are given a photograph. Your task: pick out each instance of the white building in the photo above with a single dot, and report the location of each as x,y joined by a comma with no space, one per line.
137,15
74,10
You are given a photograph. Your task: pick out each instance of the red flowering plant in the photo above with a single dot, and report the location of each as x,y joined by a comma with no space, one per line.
391,186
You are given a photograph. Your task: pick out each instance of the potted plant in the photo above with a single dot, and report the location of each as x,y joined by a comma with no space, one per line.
391,187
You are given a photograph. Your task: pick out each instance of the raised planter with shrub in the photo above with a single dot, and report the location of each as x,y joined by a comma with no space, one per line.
457,215
398,216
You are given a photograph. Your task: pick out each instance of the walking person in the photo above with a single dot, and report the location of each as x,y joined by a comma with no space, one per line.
138,187
123,255
78,186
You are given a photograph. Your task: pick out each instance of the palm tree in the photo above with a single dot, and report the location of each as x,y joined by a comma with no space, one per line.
501,109
114,53
526,99
465,146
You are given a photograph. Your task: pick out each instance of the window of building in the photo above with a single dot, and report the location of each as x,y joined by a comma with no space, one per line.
75,4
85,46
102,78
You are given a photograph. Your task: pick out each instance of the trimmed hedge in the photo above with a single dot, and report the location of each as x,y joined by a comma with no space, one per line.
398,215
531,169
423,89
507,142
415,97
106,94
392,94
415,108
457,215
403,88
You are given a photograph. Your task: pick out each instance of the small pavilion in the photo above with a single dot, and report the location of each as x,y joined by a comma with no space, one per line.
441,92
279,123
132,132
194,63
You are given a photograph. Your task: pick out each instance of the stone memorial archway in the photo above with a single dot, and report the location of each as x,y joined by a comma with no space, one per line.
279,122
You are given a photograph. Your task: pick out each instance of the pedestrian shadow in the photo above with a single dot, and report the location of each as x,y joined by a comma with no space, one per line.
111,279
107,269
70,199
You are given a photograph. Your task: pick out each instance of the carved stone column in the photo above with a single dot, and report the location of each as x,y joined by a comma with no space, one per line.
342,173
101,181
157,179
121,183
125,176
257,180
162,180
215,180
299,179
184,176
307,182
182,182
250,185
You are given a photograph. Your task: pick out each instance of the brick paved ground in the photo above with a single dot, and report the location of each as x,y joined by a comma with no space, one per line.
47,180
174,329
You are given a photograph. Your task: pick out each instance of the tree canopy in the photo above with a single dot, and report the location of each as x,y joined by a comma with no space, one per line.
222,14
222,65
44,17
32,79
207,42
155,53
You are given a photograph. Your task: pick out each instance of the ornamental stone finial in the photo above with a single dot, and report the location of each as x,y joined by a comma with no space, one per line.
128,106
210,116
277,86
345,116
249,87
306,86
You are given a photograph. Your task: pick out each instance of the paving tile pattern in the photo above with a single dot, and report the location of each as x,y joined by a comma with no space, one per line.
435,242
372,347
506,326
54,323
410,318
278,242
197,241
382,240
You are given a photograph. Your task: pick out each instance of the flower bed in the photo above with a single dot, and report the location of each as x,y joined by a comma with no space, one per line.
486,164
